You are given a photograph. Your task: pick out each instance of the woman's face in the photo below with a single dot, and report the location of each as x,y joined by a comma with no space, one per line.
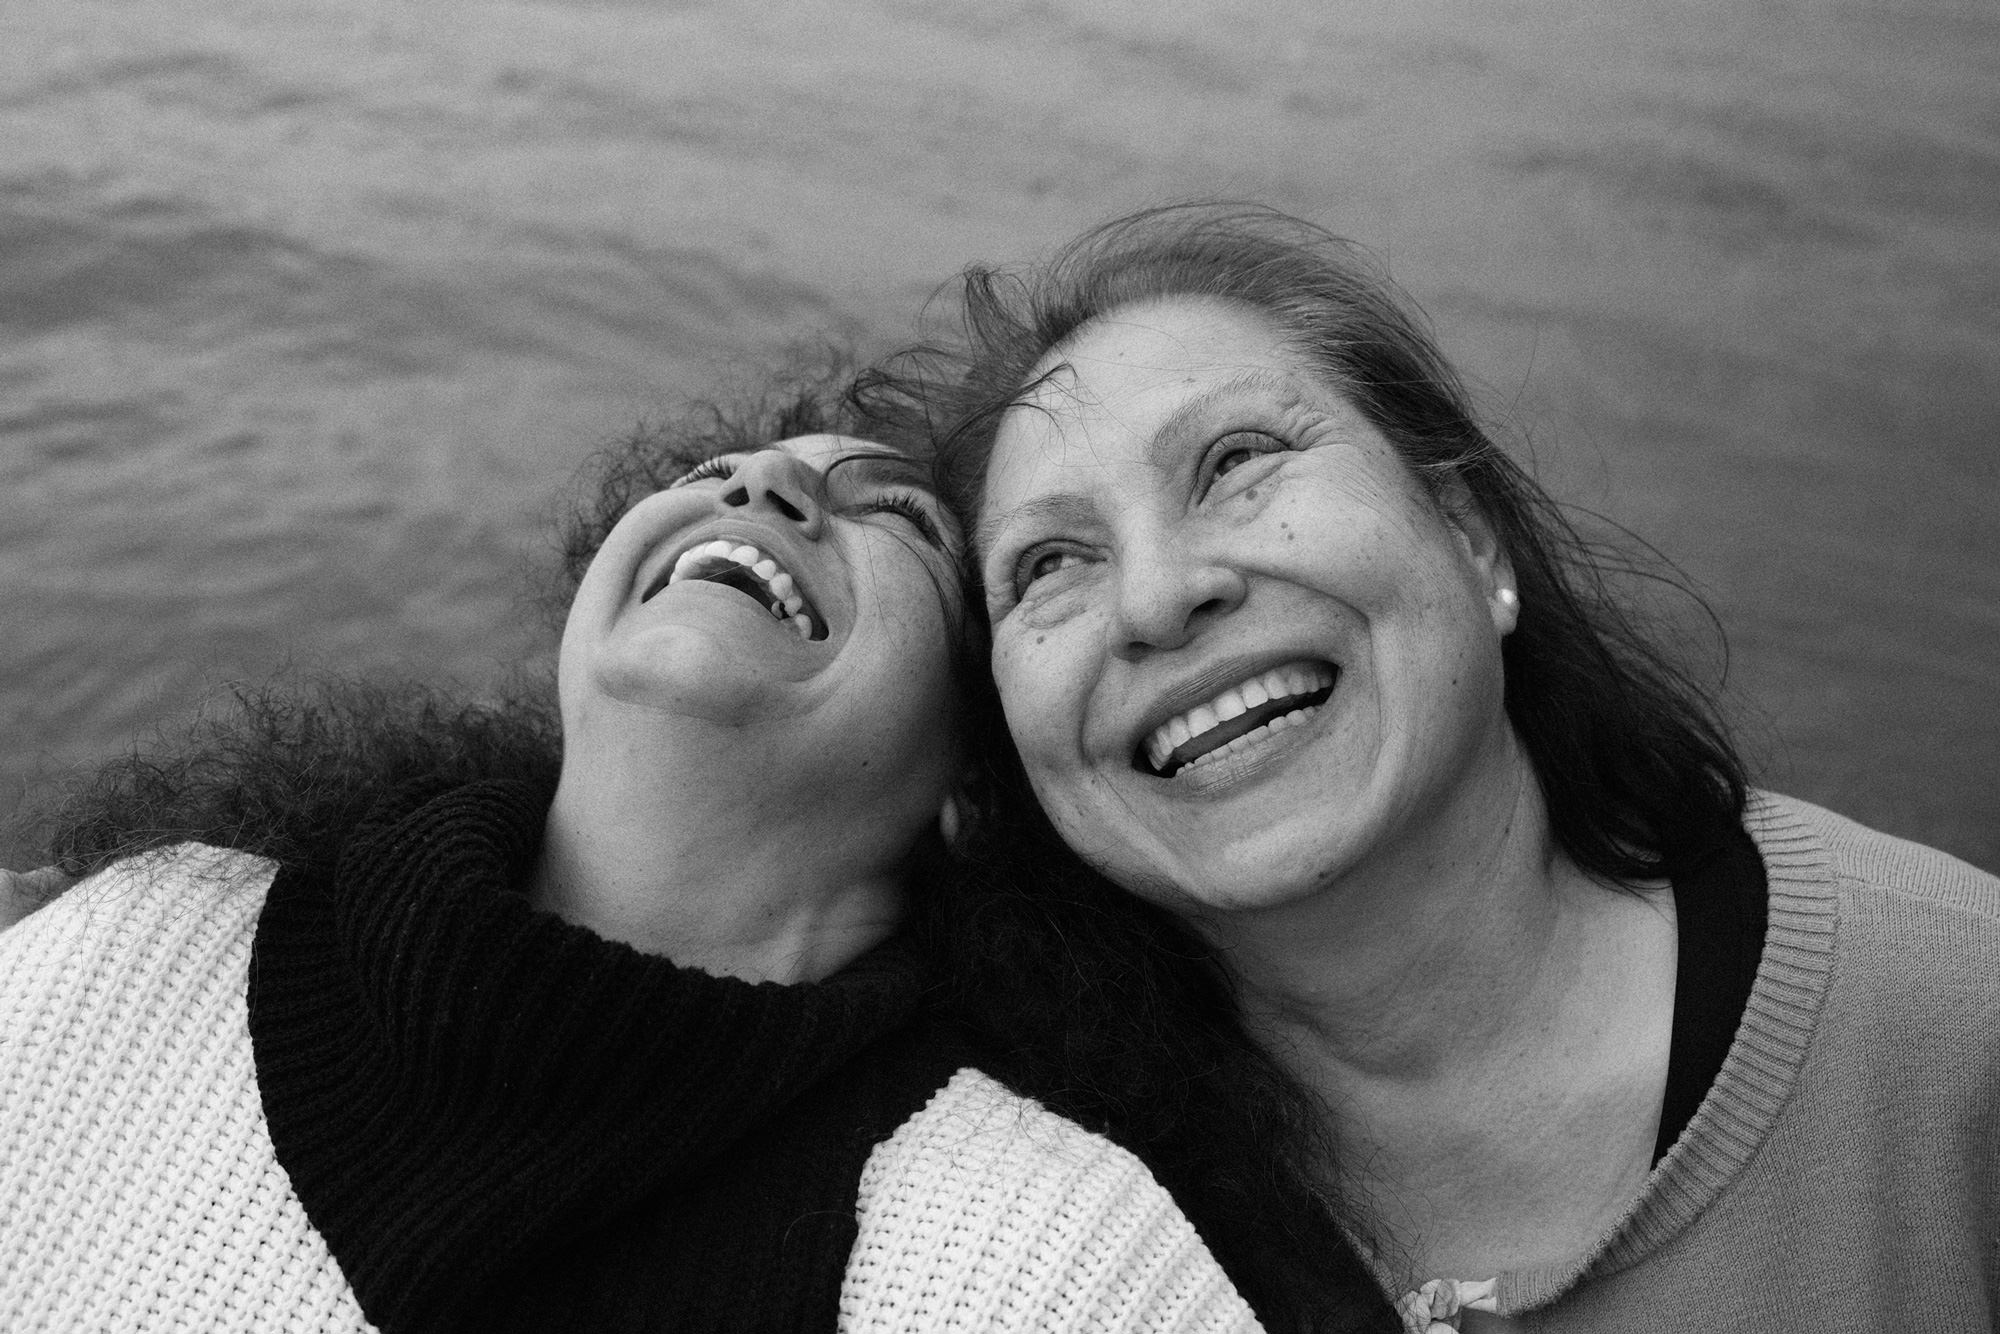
805,595
1242,651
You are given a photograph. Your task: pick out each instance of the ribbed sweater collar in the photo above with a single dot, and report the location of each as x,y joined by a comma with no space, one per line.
454,1080
1756,1079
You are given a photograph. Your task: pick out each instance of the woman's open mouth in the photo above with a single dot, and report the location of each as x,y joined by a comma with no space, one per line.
1236,719
751,572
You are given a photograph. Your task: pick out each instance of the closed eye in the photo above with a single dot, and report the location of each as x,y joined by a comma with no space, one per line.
721,465
910,508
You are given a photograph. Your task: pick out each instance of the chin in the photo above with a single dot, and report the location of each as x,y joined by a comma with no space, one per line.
1259,874
684,680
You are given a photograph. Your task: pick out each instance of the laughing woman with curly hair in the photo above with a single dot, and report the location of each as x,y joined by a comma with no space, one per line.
371,1008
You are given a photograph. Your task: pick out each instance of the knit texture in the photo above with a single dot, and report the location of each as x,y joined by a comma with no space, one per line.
1843,1174
138,1188
988,1212
499,1120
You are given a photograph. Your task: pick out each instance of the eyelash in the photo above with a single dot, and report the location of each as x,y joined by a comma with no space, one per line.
1273,445
907,506
1026,561
1025,564
719,465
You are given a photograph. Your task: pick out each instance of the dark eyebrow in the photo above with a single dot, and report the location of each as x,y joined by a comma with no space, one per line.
1067,508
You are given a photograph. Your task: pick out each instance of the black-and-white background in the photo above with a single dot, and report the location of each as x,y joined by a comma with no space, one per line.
306,309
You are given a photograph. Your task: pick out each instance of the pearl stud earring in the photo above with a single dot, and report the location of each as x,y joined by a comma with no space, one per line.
1508,598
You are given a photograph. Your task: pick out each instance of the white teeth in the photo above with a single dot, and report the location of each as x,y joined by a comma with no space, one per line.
1278,683
692,556
696,555
1250,738
784,589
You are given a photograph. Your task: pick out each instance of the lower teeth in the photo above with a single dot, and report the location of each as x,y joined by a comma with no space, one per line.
1277,724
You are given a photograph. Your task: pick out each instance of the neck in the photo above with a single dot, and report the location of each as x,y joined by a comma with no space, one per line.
1487,1026
1432,951
717,851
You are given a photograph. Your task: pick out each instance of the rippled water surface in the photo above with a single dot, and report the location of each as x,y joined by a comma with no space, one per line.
306,310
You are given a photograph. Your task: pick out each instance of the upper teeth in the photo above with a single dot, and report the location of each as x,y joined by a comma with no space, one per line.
1298,678
703,560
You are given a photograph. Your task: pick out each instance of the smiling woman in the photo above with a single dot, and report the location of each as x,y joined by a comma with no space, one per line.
1565,1011
375,1010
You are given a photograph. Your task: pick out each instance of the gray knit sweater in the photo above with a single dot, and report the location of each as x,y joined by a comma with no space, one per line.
1843,1174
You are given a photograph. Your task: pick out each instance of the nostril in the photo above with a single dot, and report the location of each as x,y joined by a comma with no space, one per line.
739,496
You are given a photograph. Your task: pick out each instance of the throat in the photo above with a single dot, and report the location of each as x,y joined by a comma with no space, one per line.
698,871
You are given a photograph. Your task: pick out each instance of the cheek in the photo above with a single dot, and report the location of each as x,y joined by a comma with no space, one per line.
1028,670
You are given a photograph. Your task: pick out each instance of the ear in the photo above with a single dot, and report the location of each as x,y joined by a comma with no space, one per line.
1481,545
965,806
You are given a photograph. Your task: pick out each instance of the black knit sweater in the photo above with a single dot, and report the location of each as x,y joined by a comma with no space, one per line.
498,1120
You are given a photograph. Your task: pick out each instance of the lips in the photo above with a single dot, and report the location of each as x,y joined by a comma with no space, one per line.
1237,718
751,571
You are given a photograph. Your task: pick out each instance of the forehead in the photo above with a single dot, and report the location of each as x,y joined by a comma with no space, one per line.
821,450
1109,393
1185,340
870,462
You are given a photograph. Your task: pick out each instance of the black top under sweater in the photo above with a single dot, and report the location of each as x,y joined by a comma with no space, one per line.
1721,907
501,1121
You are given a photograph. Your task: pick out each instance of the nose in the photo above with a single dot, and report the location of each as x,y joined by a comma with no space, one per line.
1169,591
779,483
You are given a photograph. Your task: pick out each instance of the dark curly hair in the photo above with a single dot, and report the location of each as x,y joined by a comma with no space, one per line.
285,770
1080,998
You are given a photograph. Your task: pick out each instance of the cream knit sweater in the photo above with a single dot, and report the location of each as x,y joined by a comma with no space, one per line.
139,1190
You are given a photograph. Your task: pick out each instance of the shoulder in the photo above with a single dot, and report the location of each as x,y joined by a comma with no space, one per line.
987,1211
1867,862
145,1185
1914,935
189,890
21,892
